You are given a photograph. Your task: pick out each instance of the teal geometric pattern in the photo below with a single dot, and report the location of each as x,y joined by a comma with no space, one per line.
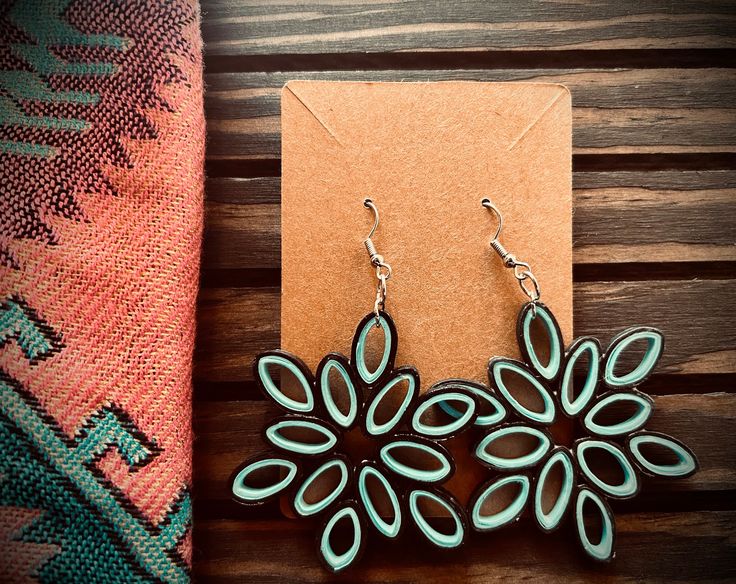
79,79
112,428
44,18
101,534
42,21
103,537
35,337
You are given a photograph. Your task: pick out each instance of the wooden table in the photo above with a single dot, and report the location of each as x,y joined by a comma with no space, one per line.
653,89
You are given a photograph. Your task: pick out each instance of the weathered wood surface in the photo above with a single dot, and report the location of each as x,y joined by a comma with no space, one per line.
248,27
652,83
229,432
619,217
237,323
614,111
653,547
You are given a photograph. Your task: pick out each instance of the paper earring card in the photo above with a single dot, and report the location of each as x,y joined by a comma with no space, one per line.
427,153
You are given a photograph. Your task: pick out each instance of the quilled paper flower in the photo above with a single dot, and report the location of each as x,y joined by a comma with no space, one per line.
611,414
400,433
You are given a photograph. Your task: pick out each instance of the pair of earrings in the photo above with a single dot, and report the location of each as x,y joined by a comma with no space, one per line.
400,483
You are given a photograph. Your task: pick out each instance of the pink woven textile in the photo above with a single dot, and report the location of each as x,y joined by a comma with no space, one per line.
101,168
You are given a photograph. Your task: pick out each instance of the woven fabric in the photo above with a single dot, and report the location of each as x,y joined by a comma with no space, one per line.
101,182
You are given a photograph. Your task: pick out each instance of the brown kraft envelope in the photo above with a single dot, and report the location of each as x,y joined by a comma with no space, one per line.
426,153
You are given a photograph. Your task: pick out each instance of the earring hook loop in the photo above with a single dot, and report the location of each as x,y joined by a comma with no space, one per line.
383,270
522,270
369,204
488,204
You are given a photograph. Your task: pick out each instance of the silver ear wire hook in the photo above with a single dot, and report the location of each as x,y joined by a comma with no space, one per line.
376,258
369,204
497,246
522,270
489,205
383,270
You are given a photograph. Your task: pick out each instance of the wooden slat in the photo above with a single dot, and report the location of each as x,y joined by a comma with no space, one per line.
229,432
650,217
233,325
620,111
690,313
652,547
619,217
243,191
241,236
247,27
237,323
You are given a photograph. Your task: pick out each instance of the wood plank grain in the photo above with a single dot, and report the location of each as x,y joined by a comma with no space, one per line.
651,547
229,432
620,111
247,27
241,236
618,218
237,323
233,325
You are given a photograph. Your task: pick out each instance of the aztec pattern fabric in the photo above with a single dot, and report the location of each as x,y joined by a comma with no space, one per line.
101,187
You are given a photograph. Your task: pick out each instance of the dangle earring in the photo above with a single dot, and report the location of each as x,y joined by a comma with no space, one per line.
375,404
607,390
